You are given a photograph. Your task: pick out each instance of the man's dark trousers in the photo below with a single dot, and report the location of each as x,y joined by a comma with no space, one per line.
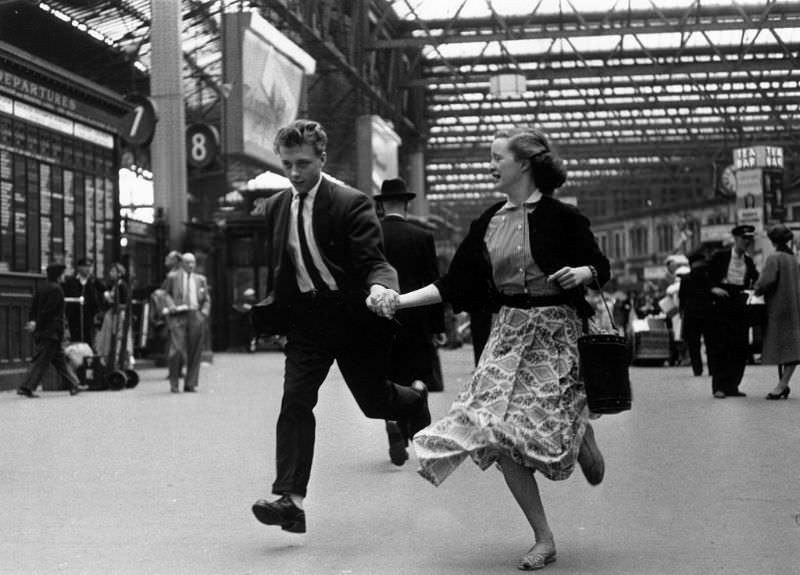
323,329
727,342
694,328
48,351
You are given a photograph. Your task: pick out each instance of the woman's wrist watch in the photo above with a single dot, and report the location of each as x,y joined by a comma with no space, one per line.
593,271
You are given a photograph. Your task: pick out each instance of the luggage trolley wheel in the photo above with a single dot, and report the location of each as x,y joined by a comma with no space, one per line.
117,380
133,378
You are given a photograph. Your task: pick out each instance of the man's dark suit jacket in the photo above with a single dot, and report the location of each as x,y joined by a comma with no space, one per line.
718,269
411,251
693,294
348,235
92,293
47,310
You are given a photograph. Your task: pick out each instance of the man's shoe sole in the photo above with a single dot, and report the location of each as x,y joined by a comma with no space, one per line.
269,517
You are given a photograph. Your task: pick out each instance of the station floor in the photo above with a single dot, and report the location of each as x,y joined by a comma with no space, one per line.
147,482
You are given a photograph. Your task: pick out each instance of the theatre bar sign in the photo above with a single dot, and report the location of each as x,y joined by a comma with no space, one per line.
759,185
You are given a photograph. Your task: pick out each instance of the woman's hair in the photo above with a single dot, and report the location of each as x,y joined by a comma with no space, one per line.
531,144
302,132
780,236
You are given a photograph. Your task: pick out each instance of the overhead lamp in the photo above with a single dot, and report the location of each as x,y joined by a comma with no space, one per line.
507,85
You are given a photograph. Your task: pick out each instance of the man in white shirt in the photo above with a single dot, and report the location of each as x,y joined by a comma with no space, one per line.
730,272
188,304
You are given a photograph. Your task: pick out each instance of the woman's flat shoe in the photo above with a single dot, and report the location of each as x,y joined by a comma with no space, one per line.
784,394
534,560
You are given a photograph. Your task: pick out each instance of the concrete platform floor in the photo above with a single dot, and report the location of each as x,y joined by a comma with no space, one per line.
146,482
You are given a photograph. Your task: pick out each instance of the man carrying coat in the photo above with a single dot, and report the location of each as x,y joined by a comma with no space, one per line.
730,272
411,251
324,258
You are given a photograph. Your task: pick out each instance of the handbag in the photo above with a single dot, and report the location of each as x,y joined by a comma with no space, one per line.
603,360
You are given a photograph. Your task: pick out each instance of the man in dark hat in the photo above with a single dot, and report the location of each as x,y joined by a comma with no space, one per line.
730,272
81,314
47,324
411,251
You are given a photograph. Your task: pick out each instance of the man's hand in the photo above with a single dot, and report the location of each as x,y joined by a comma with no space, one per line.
718,291
382,301
30,326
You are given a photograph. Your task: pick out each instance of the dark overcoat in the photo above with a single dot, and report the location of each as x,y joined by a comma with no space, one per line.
411,251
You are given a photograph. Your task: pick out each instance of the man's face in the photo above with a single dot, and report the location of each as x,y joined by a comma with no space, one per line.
189,263
84,271
302,166
742,244
171,261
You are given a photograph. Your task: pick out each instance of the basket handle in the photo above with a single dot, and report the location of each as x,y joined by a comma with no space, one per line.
605,304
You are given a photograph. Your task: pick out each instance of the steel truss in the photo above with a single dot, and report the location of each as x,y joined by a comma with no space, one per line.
627,103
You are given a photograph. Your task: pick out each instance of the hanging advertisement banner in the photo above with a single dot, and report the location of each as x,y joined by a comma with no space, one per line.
750,198
264,72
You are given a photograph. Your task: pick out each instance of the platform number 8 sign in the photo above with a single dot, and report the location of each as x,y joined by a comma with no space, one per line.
202,145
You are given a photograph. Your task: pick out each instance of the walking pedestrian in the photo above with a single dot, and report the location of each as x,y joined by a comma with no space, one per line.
324,255
46,322
694,299
779,283
188,307
528,259
731,271
411,251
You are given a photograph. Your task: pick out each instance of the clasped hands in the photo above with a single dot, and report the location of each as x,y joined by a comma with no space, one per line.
383,301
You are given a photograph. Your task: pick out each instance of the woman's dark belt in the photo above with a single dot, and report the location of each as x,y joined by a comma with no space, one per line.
525,301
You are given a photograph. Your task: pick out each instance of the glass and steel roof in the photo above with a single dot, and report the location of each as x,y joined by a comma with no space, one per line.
644,98
640,95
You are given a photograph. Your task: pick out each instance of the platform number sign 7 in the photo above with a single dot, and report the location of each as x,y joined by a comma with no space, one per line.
202,145
138,125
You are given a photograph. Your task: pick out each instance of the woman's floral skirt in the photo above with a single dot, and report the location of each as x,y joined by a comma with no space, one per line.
524,400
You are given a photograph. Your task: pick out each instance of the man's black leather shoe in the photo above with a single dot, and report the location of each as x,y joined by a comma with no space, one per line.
397,444
281,512
26,392
423,417
735,393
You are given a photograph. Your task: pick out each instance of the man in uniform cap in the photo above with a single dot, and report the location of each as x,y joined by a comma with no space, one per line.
411,251
730,272
46,321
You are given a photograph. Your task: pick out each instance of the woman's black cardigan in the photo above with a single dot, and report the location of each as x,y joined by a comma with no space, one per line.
560,236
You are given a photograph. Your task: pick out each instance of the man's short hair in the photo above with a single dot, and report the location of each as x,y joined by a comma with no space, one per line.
302,132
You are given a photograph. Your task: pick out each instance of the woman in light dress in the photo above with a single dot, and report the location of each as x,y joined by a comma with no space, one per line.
526,260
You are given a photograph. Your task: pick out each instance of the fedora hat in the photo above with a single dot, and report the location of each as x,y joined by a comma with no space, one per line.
394,189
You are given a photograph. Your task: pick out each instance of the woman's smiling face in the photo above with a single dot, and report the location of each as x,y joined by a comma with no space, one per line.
505,168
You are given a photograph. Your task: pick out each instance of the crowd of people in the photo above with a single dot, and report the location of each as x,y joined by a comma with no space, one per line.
345,285
79,315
